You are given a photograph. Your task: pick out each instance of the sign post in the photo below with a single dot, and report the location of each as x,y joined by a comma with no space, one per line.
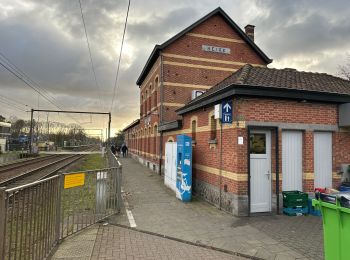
226,112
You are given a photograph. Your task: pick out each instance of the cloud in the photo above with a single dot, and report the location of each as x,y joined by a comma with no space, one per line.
46,40
304,35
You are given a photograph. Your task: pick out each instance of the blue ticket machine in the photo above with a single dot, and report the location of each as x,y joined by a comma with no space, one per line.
184,168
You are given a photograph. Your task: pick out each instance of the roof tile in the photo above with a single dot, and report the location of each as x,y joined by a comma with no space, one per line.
280,78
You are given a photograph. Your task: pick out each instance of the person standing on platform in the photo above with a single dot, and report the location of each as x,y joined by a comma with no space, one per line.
113,149
124,150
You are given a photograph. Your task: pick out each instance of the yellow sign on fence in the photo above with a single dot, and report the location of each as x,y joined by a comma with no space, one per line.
74,180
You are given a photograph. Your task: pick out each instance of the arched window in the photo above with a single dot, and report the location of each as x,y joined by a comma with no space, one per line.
146,140
150,98
212,128
146,99
194,129
155,98
155,140
149,140
141,104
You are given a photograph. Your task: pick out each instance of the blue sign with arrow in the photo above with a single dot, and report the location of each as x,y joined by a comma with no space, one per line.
226,112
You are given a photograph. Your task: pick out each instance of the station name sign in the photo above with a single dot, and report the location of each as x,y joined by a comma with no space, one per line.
216,49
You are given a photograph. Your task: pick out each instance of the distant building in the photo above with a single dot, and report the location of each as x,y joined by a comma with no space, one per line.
289,130
5,133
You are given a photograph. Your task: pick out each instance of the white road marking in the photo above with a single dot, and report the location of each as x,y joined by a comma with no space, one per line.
129,214
131,218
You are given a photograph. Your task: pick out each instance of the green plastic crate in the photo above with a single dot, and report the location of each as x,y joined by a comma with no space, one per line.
295,199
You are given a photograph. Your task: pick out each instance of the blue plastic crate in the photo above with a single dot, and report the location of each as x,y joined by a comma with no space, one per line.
296,211
312,210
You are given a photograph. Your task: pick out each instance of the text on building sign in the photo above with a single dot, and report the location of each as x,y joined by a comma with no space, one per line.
216,49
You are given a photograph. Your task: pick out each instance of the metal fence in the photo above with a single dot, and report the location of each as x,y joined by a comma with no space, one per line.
35,217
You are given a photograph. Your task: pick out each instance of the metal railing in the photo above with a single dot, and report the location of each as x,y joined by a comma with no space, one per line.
35,217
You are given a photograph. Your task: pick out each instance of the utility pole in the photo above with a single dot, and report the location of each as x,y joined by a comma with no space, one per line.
31,131
109,126
48,127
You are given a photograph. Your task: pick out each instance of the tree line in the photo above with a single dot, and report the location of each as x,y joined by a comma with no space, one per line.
44,131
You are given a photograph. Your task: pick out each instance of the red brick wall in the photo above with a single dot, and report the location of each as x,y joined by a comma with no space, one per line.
287,111
196,76
191,46
150,87
265,110
215,26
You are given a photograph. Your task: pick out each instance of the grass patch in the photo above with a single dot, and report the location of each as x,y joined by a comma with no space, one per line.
90,162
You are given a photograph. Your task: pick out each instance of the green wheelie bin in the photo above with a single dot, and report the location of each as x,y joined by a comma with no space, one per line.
331,225
335,211
344,219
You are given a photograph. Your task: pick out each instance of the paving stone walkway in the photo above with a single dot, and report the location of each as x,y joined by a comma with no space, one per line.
100,242
155,209
121,243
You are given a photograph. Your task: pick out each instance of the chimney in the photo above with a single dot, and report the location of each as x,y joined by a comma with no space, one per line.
249,31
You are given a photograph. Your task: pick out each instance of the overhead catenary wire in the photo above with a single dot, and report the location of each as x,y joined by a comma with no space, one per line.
25,82
18,73
11,106
120,56
34,85
15,102
90,55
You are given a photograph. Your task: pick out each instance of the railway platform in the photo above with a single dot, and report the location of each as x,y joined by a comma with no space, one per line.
153,224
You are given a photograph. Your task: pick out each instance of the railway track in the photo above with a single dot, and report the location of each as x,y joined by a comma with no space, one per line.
21,163
23,174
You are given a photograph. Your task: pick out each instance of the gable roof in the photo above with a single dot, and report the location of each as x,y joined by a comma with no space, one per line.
218,11
288,83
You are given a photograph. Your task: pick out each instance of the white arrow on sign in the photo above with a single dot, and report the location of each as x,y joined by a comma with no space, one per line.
227,107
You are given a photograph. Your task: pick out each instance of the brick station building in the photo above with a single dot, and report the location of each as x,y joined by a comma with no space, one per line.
289,129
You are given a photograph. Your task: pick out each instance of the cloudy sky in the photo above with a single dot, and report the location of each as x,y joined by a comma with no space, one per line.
46,40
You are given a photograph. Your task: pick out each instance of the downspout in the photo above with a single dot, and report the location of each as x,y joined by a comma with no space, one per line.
248,166
277,173
161,114
220,174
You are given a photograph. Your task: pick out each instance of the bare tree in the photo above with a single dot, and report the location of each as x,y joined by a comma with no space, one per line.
344,70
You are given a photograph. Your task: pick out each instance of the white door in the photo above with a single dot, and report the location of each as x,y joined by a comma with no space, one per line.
260,171
292,160
323,159
170,165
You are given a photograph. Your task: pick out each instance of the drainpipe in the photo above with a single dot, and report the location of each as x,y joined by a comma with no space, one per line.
277,173
220,174
248,167
161,114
